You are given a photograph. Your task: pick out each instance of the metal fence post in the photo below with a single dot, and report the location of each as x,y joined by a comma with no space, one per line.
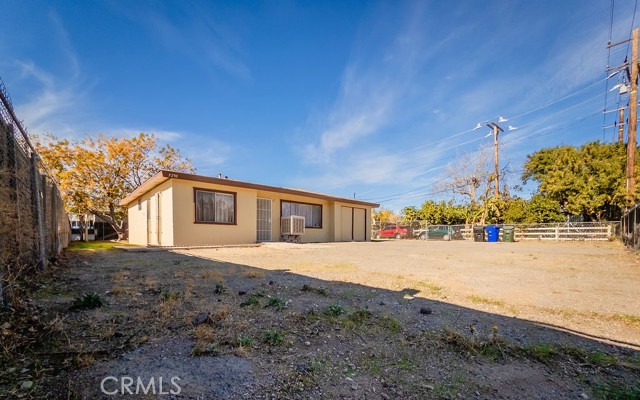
55,235
4,155
12,241
38,212
634,228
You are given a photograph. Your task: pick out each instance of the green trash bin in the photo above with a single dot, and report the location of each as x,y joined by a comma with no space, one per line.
508,233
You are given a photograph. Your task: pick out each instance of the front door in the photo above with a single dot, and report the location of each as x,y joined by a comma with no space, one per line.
153,221
263,225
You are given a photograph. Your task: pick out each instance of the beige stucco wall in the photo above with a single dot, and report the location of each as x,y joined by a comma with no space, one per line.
343,222
311,235
188,233
138,214
177,207
137,221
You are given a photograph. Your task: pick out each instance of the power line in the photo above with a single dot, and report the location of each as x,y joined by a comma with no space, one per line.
606,83
562,98
543,132
480,138
633,19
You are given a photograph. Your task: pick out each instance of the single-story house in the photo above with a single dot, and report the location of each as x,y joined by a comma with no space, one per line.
178,209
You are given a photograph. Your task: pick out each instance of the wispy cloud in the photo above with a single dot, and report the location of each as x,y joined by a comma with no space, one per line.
162,135
57,99
206,154
371,168
195,31
372,87
52,108
211,158
64,43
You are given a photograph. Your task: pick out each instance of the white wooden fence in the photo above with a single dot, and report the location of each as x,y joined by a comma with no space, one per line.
569,232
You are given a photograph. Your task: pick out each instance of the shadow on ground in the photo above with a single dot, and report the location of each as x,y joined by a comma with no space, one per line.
228,330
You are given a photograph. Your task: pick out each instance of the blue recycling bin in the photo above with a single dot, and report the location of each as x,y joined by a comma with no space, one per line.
493,232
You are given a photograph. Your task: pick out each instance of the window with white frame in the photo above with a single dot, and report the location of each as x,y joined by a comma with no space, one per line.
312,213
215,207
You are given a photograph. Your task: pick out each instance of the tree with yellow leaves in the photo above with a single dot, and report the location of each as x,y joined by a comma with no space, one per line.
94,174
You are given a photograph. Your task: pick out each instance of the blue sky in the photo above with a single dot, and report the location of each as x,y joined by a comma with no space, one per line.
343,97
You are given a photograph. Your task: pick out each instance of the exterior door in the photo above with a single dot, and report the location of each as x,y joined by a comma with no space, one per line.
149,227
159,219
346,224
359,225
153,221
263,224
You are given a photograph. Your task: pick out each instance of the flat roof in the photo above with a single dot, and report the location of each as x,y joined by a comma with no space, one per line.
165,175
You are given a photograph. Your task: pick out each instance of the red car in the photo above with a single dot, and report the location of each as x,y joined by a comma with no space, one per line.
393,231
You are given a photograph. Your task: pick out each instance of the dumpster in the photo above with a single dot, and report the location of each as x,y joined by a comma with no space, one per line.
478,233
492,233
508,232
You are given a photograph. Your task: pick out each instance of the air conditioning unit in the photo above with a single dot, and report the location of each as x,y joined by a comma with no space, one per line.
292,225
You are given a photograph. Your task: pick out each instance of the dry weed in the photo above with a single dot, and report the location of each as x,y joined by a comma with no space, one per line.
120,276
84,360
212,274
254,274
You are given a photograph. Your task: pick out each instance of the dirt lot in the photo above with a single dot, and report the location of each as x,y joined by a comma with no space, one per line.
390,319
587,287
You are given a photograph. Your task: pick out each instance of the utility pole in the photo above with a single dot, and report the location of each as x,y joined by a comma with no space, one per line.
633,119
621,127
496,130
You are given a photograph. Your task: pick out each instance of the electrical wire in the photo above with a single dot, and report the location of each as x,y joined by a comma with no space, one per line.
345,182
606,83
633,20
562,98
538,133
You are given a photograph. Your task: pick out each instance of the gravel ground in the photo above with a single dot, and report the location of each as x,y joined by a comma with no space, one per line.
390,319
587,287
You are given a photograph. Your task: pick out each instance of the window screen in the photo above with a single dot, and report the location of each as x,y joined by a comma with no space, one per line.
215,207
312,213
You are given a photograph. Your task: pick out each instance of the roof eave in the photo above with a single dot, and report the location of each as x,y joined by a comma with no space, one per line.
146,186
165,175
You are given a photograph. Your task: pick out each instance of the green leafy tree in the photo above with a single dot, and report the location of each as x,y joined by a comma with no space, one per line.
539,209
437,213
411,213
587,180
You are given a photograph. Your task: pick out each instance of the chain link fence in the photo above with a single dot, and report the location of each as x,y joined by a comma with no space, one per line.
631,228
34,226
569,231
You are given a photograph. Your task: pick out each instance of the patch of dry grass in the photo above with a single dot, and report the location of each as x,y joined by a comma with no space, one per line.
169,307
485,300
120,276
212,274
122,290
150,282
85,360
254,274
430,288
628,319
